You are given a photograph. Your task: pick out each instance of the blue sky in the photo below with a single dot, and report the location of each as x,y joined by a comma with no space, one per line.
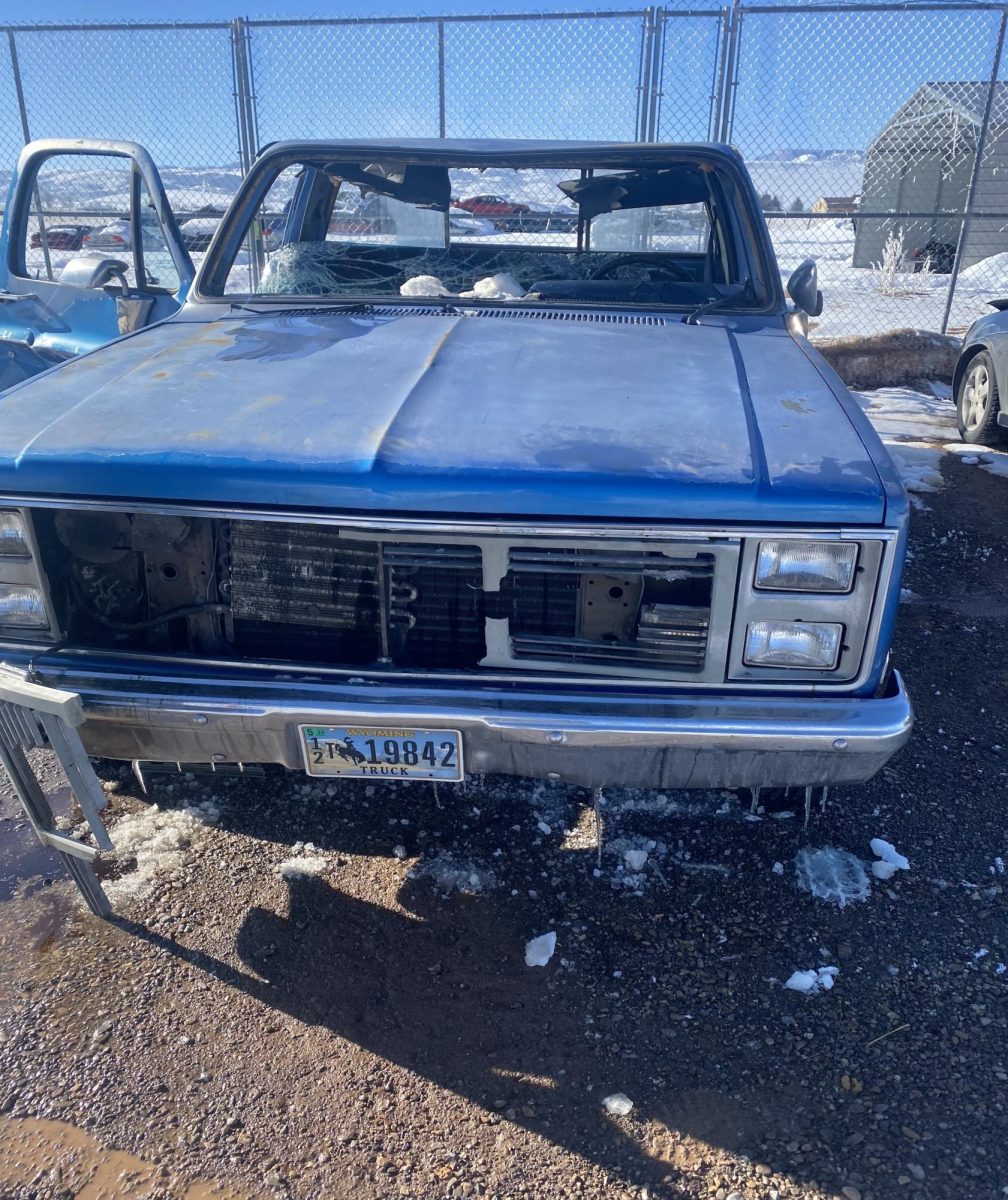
808,80
214,10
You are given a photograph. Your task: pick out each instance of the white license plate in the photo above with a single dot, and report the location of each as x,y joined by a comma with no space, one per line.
369,752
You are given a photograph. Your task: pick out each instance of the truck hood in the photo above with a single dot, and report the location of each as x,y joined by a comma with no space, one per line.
421,413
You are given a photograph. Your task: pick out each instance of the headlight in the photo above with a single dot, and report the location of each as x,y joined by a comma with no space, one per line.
22,607
13,538
806,566
812,645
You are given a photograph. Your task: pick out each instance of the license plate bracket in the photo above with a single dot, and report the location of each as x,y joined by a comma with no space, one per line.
382,752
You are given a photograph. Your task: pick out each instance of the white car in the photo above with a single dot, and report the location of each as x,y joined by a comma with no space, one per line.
118,235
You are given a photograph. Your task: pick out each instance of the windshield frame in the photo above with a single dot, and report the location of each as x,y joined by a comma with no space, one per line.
740,214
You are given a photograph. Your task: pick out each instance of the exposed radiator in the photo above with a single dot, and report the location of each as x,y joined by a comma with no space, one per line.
306,593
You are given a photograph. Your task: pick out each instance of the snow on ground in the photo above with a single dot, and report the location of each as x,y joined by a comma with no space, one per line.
451,873
302,866
919,430
819,979
159,839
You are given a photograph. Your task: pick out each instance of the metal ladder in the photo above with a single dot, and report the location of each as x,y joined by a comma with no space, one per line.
32,717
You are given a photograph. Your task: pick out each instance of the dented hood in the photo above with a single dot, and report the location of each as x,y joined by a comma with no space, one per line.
425,413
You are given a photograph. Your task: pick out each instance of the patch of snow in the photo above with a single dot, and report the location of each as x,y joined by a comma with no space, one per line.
540,949
832,874
495,287
302,866
427,286
618,1105
451,874
160,840
819,979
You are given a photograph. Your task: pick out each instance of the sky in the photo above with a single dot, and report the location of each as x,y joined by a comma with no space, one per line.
214,10
807,80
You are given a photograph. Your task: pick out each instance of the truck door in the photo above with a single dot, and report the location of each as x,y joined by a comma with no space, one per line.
90,251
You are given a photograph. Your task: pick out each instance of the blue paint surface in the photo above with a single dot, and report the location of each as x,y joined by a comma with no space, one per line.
438,413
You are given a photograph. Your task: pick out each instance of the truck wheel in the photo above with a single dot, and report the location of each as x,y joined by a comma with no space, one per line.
978,404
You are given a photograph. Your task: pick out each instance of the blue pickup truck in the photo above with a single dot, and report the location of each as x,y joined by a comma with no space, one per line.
389,499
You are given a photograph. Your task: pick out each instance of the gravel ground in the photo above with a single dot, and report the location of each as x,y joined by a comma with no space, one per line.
354,1016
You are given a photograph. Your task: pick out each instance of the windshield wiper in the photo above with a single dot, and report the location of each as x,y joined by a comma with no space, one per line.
282,304
737,290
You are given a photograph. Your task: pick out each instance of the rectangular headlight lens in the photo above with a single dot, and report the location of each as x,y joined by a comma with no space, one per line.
806,566
22,607
814,645
13,538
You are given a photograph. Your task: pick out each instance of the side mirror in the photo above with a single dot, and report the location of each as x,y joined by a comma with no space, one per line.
803,288
88,271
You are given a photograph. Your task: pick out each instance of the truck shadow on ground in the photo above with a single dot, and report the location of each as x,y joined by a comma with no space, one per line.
443,991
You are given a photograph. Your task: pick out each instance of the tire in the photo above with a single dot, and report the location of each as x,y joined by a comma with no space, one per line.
978,403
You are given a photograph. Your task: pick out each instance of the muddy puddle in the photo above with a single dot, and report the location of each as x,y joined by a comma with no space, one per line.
25,864
53,1158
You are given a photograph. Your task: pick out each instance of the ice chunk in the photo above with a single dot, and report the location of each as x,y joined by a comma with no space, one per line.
832,874
883,870
617,1105
888,853
635,859
817,980
424,285
778,868
501,286
540,949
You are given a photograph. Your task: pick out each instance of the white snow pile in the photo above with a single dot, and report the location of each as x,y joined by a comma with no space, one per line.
888,859
303,865
426,286
617,1105
989,273
832,874
819,979
501,286
540,949
918,430
449,873
160,840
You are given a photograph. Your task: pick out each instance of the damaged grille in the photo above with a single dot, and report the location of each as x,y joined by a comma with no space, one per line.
636,610
322,595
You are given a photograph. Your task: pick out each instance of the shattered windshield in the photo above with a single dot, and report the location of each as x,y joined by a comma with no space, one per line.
646,235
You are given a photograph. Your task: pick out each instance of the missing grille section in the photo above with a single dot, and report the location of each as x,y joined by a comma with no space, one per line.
301,592
641,610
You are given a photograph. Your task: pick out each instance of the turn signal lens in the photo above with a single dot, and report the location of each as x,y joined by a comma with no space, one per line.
22,607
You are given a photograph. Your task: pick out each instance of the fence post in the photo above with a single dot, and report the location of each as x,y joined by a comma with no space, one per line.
644,74
23,110
244,113
442,114
724,109
657,67
981,146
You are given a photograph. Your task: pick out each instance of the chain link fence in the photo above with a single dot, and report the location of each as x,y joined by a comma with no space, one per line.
876,134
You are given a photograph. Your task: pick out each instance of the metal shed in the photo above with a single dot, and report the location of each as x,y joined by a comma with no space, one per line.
922,162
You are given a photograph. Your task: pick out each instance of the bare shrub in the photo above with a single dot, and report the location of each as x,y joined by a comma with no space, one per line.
895,276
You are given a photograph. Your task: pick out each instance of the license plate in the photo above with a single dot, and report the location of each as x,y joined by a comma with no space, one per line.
366,752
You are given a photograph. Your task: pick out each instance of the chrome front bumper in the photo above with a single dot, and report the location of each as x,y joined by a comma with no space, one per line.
582,737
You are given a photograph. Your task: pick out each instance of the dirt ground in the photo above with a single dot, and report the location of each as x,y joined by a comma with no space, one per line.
363,1024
